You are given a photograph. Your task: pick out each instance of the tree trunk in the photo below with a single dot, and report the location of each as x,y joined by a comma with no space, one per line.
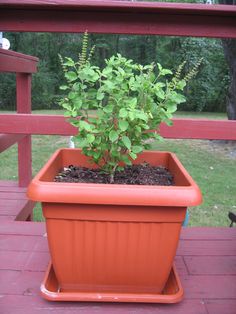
229,46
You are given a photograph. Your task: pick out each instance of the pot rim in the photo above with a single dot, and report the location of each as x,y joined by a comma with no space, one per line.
117,194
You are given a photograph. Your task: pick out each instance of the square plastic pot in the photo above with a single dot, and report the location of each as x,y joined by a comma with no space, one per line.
113,238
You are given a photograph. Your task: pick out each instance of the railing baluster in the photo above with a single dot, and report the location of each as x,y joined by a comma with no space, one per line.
23,97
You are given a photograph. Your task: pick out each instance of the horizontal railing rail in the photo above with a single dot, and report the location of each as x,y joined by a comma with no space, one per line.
121,17
57,125
11,61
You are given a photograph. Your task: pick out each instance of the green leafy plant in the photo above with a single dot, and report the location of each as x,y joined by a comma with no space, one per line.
130,102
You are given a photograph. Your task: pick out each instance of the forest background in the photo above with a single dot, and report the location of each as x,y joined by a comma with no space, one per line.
207,92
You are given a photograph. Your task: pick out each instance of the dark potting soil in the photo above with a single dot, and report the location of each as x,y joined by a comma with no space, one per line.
143,174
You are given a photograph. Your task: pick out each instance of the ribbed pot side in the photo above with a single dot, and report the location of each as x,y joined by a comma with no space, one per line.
116,254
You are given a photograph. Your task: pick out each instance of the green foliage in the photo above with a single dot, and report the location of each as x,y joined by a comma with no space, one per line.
206,92
7,91
131,100
46,82
43,87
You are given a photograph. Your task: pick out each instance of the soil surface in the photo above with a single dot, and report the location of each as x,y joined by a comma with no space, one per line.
143,174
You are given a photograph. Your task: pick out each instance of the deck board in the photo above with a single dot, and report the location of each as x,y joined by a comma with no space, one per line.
221,306
4,183
205,247
33,305
208,279
210,265
211,233
14,204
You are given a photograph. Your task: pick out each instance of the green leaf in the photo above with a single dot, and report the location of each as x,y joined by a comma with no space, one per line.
126,160
160,85
159,67
109,84
179,98
123,125
133,103
85,125
64,87
169,122
133,155
158,137
98,140
142,116
138,128
67,114
71,76
108,109
100,95
90,138
119,168
126,141
74,113
66,105
131,81
181,84
163,72
166,71
123,113
160,93
137,149
107,70
71,95
113,136
74,123
83,143
92,120
88,152
69,62
172,108
77,102
122,72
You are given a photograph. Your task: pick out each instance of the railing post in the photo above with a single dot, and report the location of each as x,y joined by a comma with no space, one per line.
23,100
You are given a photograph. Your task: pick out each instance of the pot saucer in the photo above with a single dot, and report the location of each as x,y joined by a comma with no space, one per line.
172,292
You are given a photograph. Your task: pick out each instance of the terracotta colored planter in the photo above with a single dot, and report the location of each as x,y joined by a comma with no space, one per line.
113,238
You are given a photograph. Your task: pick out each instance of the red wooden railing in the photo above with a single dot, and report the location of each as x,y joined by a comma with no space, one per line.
121,17
102,17
23,66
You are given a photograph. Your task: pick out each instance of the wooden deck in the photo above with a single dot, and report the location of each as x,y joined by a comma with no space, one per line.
206,262
14,204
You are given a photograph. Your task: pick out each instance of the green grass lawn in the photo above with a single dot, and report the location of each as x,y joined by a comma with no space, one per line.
214,170
200,115
209,163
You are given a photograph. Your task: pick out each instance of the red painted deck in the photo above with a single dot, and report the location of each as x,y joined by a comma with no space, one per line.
206,262
14,204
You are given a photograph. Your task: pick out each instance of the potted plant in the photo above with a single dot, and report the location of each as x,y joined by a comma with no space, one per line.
109,241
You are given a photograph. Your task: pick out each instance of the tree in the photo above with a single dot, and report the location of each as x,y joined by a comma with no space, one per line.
229,46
